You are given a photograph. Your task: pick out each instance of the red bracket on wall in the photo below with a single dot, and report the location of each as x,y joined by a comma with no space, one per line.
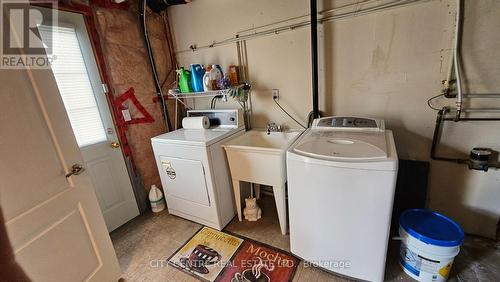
118,103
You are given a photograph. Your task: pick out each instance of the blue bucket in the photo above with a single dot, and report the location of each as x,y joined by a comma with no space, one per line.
429,243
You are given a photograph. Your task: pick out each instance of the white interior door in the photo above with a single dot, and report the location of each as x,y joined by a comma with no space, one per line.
78,79
54,222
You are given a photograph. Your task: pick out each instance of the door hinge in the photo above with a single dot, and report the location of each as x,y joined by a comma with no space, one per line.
105,88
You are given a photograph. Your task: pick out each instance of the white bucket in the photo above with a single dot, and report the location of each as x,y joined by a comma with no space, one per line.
423,261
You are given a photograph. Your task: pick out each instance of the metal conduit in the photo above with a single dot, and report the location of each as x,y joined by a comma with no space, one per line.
480,110
347,6
159,91
366,11
481,95
328,11
437,134
361,12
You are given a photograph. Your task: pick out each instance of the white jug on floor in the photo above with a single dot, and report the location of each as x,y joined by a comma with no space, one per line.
156,199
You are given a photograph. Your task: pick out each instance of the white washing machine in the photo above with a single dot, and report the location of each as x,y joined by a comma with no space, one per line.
193,168
341,181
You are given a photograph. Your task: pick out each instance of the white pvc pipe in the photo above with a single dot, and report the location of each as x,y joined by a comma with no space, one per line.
456,58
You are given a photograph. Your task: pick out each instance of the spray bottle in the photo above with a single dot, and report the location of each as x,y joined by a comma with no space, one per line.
184,80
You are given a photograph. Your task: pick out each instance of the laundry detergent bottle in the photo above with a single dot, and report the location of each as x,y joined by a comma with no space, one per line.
207,85
197,73
215,75
184,80
156,199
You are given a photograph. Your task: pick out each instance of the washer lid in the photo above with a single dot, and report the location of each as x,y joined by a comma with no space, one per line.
344,145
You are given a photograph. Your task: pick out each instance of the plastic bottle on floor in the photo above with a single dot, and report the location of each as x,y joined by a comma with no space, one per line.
156,199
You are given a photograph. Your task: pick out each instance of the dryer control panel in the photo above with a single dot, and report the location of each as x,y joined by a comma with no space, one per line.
349,123
232,118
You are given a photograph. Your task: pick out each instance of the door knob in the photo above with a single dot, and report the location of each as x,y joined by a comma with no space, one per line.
115,145
76,169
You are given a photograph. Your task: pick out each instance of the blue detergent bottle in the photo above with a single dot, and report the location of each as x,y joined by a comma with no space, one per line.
197,73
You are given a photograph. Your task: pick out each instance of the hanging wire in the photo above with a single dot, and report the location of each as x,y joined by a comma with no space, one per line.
429,102
275,101
214,101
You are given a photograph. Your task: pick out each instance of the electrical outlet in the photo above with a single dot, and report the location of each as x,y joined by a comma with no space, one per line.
275,94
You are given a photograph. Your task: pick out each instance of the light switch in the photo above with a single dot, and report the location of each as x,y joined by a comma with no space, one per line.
126,115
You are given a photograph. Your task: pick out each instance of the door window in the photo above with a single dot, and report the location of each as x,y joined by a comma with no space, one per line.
74,84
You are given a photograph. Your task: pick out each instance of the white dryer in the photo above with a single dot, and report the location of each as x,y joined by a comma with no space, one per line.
341,181
193,168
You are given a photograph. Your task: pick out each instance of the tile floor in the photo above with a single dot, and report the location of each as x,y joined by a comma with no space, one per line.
145,242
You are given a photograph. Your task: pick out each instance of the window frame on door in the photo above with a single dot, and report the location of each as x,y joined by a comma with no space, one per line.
89,74
90,24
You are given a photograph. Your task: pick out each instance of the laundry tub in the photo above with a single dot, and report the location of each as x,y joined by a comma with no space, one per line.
259,157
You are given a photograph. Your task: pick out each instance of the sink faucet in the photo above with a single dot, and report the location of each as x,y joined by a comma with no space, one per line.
273,127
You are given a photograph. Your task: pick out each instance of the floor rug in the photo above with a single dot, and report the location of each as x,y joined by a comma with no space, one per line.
212,255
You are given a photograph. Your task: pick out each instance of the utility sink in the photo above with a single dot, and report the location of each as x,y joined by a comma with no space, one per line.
259,157
260,140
